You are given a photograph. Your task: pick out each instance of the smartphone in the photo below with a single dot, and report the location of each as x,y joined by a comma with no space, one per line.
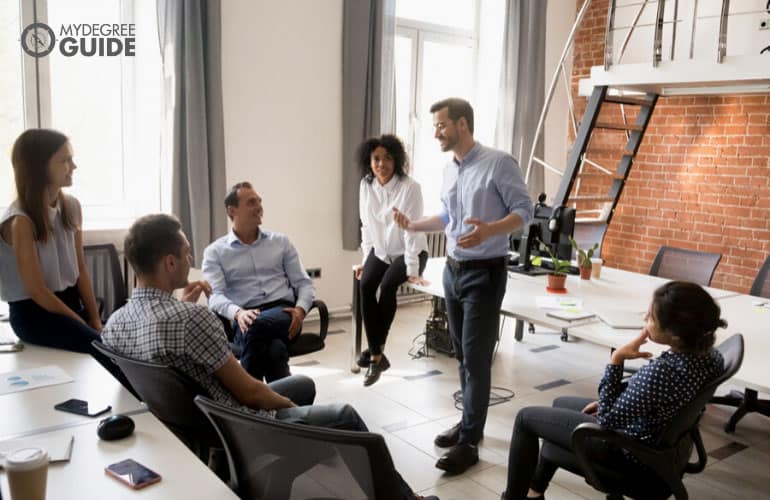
132,473
80,407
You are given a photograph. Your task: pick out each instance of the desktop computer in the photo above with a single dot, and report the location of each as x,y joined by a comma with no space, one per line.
551,229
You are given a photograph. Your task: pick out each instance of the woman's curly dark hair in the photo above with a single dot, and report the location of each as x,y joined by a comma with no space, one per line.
392,145
688,313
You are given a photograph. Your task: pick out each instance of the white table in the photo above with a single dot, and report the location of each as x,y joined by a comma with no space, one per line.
83,477
754,323
626,291
616,290
32,411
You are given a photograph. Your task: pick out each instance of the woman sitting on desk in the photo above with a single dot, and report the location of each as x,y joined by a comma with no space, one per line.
42,271
683,316
390,254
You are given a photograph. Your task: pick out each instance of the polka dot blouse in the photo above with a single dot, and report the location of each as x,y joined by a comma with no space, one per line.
655,393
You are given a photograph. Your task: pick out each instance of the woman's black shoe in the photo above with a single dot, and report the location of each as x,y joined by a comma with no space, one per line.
375,370
363,359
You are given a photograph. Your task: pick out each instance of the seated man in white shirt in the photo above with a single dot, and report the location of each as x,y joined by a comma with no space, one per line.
258,283
154,326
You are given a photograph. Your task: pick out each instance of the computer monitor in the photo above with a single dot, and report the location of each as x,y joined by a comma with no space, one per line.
551,228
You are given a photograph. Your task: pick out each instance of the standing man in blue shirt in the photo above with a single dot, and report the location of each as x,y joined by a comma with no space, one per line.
484,199
259,283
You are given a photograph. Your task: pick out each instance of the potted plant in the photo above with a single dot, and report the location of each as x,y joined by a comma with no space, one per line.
558,276
584,259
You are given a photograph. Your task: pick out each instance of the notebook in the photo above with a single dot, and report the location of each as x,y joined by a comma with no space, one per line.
623,319
58,446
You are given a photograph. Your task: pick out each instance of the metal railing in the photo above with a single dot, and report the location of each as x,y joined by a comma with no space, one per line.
657,44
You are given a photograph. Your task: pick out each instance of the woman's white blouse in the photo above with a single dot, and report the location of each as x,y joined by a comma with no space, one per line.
57,256
378,229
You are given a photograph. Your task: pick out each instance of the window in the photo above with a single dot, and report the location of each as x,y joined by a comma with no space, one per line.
439,53
109,106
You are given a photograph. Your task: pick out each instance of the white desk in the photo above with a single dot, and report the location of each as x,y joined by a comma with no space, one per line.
627,291
32,411
754,324
183,474
616,289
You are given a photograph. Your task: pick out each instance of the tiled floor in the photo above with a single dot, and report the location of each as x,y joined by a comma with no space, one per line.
409,411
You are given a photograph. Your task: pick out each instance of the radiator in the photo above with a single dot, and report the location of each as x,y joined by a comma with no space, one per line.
436,248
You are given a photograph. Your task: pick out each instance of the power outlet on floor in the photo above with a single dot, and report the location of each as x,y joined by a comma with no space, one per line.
314,272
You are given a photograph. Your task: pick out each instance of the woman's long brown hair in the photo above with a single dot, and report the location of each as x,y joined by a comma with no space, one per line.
31,154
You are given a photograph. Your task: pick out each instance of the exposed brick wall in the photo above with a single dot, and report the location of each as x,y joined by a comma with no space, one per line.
701,179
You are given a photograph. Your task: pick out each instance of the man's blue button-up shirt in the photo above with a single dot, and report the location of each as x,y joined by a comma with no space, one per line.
486,185
246,276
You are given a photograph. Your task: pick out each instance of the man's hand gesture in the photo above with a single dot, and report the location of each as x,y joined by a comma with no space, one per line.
245,317
193,290
401,219
476,236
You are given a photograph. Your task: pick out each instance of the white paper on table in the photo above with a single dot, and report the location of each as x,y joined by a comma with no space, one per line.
32,378
559,303
58,446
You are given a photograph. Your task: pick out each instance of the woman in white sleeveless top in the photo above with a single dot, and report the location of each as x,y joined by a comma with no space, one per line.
391,255
43,276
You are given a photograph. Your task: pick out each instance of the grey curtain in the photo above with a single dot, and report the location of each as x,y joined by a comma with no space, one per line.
522,82
190,42
367,94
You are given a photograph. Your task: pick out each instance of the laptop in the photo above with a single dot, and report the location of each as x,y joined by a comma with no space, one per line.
627,320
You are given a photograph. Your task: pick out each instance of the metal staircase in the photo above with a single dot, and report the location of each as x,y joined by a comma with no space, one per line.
593,222
623,87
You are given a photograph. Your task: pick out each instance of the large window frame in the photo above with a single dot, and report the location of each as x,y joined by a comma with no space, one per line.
419,32
140,183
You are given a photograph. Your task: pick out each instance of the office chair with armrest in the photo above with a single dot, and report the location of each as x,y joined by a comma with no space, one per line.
278,460
685,265
106,277
748,401
156,384
668,459
306,342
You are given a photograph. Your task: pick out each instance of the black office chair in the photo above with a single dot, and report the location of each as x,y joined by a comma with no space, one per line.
685,265
668,459
748,401
169,394
305,343
761,285
272,459
106,277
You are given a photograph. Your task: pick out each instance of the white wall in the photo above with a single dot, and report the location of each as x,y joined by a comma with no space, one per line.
281,64
282,74
560,16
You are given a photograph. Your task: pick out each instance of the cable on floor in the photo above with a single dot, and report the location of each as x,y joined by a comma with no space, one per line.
419,349
494,398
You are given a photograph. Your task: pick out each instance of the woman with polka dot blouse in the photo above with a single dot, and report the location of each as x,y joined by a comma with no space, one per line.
683,316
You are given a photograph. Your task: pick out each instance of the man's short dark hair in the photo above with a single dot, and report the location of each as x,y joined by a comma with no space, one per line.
231,200
458,108
151,238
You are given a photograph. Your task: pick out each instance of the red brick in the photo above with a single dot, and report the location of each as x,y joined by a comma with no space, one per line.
701,179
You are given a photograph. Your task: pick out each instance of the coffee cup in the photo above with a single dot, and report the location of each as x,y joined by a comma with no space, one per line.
596,267
27,471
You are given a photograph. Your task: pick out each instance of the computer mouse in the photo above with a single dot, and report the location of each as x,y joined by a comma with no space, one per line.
115,427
